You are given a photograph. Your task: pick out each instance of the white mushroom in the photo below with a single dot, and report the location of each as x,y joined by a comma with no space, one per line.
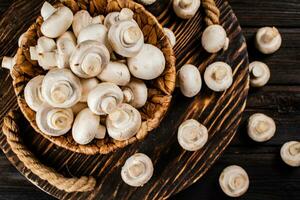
33,94
268,40
79,107
234,181
81,20
105,98
58,22
113,17
261,128
192,135
135,93
290,153
87,86
124,122
66,44
259,74
147,2
115,72
100,134
89,58
85,127
186,9
218,76
189,79
47,10
137,170
98,19
148,64
44,53
8,62
171,36
214,38
61,88
126,38
54,121
97,32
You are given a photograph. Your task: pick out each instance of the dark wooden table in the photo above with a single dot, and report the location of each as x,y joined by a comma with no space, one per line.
270,178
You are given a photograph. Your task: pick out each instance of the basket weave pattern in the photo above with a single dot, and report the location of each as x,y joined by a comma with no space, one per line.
160,89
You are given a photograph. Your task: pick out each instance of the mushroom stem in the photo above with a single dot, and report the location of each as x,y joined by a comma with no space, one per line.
185,3
8,62
109,104
128,95
219,74
125,14
47,10
257,71
269,35
262,127
294,149
33,53
132,35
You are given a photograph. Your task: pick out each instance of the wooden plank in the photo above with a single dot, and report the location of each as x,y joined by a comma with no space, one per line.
255,13
284,64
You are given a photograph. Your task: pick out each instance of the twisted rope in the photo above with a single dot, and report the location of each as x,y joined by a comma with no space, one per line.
11,130
212,12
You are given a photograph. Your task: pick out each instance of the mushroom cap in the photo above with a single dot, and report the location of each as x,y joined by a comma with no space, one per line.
124,122
214,38
260,74
186,9
87,86
58,23
115,72
114,17
218,76
105,98
47,10
96,32
126,38
89,58
234,181
85,127
192,135
261,128
47,60
189,78
33,94
137,170
45,44
290,153
171,36
100,134
268,40
61,88
54,121
144,68
66,44
81,20
136,93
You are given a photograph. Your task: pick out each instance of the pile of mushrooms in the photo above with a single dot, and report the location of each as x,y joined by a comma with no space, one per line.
85,82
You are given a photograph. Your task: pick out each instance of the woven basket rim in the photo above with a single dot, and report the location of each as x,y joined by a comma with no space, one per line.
161,99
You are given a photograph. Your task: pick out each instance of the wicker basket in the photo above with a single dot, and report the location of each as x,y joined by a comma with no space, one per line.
160,89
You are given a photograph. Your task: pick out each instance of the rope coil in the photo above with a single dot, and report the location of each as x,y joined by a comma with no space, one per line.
11,131
212,12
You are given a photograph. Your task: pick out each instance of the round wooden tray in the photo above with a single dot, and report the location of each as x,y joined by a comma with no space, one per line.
175,169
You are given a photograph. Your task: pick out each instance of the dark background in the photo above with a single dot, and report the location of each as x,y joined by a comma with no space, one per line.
270,178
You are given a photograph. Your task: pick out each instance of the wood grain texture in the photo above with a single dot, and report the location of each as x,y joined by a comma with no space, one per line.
175,169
